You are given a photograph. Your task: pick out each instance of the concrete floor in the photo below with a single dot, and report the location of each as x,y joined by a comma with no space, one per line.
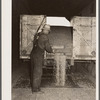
49,93
54,94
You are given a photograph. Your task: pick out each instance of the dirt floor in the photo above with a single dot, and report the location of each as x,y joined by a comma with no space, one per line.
77,87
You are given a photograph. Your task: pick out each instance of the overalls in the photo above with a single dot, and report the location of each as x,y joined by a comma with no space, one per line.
37,57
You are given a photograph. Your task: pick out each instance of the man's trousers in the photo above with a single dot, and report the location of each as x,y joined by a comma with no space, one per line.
36,71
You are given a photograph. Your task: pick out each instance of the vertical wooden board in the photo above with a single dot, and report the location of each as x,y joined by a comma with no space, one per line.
24,36
94,35
93,22
94,38
76,43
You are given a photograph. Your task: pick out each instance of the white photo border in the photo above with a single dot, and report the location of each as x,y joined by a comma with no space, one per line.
6,49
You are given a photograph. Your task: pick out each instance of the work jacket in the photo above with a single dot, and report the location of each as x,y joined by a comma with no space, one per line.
41,44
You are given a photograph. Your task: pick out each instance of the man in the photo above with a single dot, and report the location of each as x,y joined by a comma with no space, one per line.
40,44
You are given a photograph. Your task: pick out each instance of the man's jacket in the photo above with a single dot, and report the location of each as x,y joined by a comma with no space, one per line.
42,41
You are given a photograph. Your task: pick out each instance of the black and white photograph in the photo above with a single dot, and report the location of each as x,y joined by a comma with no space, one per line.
53,50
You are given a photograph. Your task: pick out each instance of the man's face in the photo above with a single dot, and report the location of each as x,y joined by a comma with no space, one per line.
45,31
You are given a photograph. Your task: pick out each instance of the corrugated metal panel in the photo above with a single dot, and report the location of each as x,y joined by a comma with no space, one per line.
84,37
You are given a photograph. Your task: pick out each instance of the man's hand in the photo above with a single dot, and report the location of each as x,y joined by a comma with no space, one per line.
53,51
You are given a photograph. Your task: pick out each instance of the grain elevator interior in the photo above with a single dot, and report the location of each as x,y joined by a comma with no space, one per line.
70,72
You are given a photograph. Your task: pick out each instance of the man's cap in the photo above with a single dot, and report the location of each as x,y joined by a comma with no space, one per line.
46,26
